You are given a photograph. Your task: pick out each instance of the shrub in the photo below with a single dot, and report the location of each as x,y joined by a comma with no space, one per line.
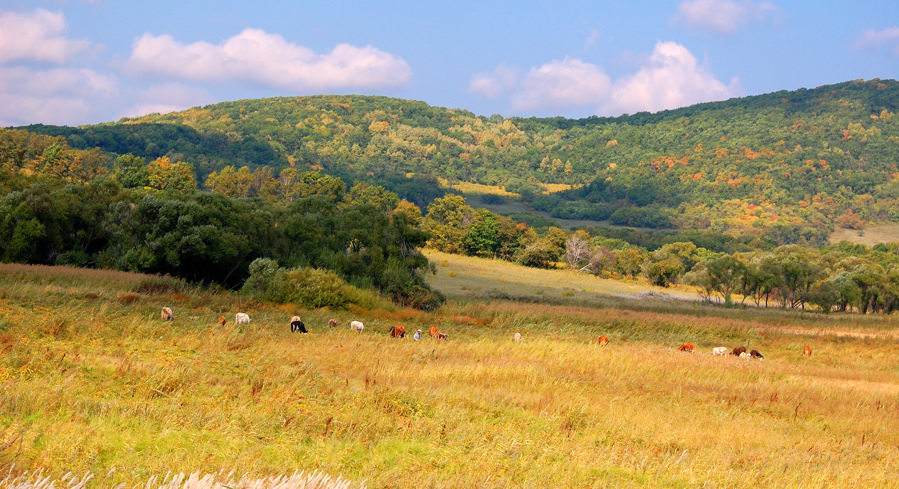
308,287
162,284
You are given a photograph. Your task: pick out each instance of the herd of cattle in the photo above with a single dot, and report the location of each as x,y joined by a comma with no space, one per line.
296,325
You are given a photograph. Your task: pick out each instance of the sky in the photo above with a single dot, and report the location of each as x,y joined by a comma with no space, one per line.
73,62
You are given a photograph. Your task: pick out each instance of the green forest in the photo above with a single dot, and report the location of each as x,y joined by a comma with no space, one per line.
812,158
355,186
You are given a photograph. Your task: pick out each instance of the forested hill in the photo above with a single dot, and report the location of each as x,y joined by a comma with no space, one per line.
808,157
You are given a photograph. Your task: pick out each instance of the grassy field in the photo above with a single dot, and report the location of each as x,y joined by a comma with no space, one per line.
464,277
885,233
92,380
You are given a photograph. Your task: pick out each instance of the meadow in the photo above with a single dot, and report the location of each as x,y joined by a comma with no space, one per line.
870,235
93,382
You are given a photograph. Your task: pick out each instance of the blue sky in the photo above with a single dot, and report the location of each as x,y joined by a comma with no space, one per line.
87,61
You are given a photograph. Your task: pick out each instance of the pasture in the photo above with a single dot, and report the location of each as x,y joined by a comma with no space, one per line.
870,235
91,380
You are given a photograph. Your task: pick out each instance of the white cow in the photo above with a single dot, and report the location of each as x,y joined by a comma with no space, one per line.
719,350
242,318
745,355
516,337
357,326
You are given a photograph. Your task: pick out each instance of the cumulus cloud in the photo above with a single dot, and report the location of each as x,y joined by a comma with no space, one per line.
56,96
875,39
36,36
669,78
560,85
722,16
168,97
672,78
494,83
270,60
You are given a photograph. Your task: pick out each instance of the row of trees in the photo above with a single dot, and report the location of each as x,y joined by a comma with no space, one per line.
840,277
59,207
366,235
454,227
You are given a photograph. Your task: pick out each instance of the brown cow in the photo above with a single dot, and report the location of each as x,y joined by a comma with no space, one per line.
756,354
222,320
397,331
442,336
807,351
167,314
687,347
332,323
603,340
433,331
738,350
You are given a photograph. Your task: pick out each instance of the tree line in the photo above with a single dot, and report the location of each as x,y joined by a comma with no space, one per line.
69,206
149,217
823,157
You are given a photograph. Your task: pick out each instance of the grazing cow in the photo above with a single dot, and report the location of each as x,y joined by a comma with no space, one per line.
516,337
442,336
242,318
719,350
167,314
738,350
433,331
603,340
743,354
222,320
357,326
332,323
296,324
397,331
756,354
807,351
417,335
687,347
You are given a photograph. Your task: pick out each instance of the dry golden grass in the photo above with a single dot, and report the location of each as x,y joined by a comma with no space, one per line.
871,235
465,277
315,480
551,188
477,188
88,383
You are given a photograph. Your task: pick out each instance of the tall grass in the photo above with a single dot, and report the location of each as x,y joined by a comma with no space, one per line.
314,480
89,383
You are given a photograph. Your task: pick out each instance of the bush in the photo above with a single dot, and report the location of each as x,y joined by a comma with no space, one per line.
309,287
538,255
162,284
318,288
493,199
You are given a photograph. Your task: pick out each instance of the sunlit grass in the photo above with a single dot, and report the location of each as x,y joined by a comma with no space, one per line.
871,235
470,277
89,382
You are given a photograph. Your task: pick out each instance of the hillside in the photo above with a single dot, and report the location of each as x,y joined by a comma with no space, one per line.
805,160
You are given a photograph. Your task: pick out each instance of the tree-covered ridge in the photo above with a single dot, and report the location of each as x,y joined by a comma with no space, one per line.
807,158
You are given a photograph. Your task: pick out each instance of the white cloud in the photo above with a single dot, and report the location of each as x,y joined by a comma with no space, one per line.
36,36
268,59
493,84
562,84
671,79
722,16
168,97
875,39
56,96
